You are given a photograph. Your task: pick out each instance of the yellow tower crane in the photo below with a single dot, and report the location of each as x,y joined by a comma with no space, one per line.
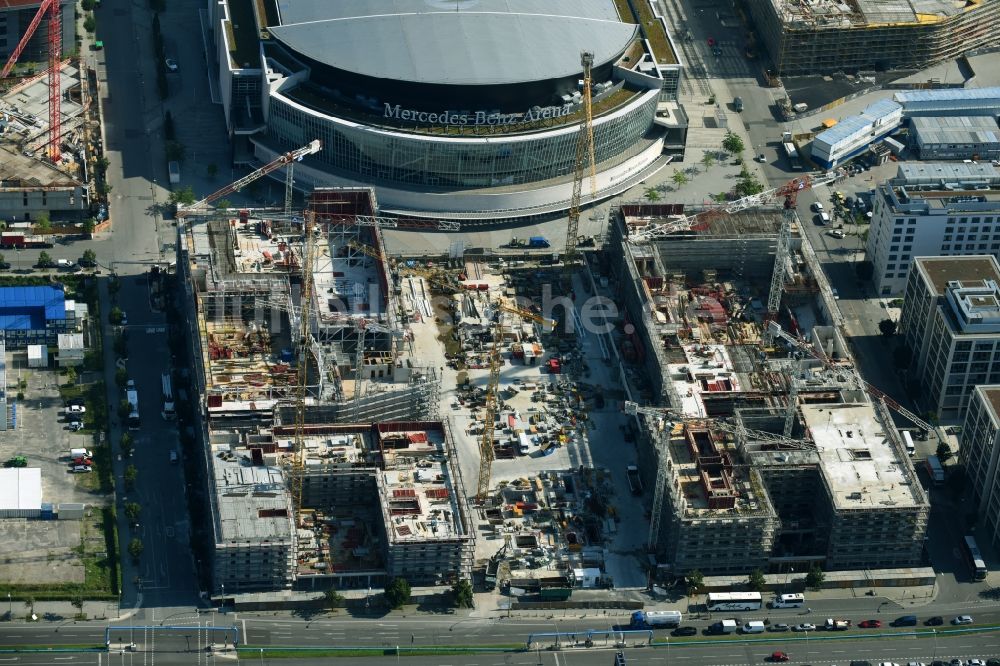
584,150
305,308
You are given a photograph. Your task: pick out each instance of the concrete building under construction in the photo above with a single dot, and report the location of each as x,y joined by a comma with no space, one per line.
827,36
765,451
376,500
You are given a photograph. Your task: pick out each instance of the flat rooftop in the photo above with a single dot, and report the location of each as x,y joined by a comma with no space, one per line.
992,395
708,369
956,129
252,501
21,489
942,270
861,466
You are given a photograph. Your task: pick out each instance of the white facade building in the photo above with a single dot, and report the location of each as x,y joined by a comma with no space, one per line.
928,210
979,454
951,324
853,135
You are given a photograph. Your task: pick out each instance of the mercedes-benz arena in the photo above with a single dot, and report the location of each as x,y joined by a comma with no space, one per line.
451,109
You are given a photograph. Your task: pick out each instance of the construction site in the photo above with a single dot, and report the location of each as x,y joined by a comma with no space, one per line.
747,402
826,36
51,152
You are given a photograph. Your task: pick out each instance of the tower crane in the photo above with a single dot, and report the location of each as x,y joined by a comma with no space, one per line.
584,150
52,9
305,308
287,159
774,330
698,221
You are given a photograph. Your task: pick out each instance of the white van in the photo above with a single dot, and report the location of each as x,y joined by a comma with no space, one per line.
824,218
753,627
788,601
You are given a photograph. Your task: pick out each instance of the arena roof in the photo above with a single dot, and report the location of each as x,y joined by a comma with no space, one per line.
454,42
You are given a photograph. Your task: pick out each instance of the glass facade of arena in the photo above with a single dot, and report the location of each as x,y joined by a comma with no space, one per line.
423,159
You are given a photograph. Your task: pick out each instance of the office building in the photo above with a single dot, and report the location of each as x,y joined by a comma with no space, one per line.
955,137
979,454
951,324
456,110
932,209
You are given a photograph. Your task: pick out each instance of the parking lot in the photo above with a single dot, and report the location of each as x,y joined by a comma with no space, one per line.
46,551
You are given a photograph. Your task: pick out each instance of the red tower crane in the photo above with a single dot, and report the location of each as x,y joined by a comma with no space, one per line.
50,8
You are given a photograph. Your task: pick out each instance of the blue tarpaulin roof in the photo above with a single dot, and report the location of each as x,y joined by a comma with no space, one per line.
29,308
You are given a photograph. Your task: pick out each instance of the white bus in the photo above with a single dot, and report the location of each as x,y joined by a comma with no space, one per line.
788,601
169,412
733,601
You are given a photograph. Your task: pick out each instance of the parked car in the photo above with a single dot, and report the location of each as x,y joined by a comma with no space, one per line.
836,233
781,626
65,263
80,469
870,624
935,621
684,631
976,662
778,656
962,619
76,425
171,64
76,409
805,626
817,207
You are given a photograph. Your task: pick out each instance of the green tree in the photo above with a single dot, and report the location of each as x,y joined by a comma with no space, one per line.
77,601
757,581
127,444
183,196
212,170
121,377
132,511
89,257
87,5
397,592
158,5
43,223
44,260
121,345
943,452
135,548
651,195
815,577
131,474
333,599
90,23
887,327
708,160
732,143
29,601
70,376
116,315
680,178
176,151
461,594
695,579
223,204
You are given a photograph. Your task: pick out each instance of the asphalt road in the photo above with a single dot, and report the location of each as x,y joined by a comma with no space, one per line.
817,651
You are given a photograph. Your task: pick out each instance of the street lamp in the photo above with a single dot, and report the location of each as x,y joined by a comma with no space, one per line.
223,604
10,607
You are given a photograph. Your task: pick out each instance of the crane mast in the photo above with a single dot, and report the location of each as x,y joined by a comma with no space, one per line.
305,308
584,151
52,10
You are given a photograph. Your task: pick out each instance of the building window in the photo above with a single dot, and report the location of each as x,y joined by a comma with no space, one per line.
892,257
895,239
908,239
946,238
890,267
894,248
907,248
945,248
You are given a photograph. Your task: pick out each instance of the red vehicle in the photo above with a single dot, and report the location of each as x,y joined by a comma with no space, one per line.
82,461
711,41
870,624
778,656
